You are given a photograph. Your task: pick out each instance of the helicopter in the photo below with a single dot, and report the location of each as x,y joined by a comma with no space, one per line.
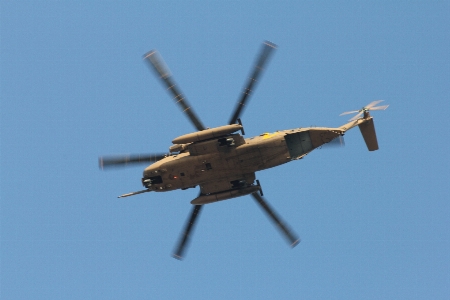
221,161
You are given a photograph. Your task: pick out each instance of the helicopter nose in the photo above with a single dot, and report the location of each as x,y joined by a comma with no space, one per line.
150,172
147,172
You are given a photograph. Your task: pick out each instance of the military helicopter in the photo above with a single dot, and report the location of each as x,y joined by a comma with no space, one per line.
221,161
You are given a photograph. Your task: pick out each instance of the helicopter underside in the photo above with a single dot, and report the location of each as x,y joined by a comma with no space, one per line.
219,167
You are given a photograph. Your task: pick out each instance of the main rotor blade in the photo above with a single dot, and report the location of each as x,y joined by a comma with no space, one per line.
127,160
266,50
184,239
293,239
157,63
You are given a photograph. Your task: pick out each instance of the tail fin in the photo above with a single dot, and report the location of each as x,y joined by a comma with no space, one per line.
365,123
368,132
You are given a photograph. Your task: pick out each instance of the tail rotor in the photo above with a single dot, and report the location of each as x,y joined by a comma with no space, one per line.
365,109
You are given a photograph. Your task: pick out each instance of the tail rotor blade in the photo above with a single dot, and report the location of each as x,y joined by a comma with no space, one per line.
357,116
379,107
264,56
128,160
373,103
290,236
158,65
184,239
370,106
349,112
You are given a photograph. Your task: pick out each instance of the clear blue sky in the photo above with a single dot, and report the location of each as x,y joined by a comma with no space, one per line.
374,225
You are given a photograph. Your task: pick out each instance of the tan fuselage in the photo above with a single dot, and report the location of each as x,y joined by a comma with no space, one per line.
217,166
